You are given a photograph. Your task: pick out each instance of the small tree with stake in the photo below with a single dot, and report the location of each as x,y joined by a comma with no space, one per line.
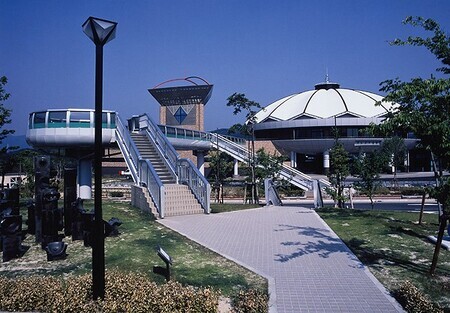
221,167
395,149
339,170
240,103
368,167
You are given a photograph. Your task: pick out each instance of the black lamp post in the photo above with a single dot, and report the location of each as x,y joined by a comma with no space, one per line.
100,31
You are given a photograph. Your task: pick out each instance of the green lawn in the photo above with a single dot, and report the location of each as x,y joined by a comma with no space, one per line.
134,250
229,207
394,247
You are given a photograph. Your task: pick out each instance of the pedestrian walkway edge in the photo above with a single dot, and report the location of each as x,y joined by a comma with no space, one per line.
270,280
369,274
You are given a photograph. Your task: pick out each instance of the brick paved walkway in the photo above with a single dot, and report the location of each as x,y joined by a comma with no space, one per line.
308,267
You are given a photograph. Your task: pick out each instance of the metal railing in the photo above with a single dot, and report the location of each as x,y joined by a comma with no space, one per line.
150,179
271,193
242,154
183,169
188,174
182,133
128,149
160,141
142,171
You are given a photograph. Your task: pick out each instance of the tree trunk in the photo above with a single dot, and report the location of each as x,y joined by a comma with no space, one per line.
422,208
436,178
442,225
252,152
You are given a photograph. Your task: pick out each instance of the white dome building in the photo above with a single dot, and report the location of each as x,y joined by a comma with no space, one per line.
302,124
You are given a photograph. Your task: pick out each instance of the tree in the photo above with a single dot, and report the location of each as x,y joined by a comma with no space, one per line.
5,159
240,103
339,170
368,167
221,167
395,149
4,112
425,110
25,160
268,165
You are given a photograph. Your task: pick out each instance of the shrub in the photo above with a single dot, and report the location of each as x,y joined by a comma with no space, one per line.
31,294
78,295
116,194
250,301
124,292
413,300
411,191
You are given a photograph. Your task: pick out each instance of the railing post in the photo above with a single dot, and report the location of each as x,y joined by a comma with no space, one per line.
208,199
318,200
161,201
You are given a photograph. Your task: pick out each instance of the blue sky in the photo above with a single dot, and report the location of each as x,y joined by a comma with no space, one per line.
265,49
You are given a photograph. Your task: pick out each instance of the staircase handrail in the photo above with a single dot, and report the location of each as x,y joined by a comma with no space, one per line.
183,133
142,171
197,183
242,154
189,174
161,142
128,149
238,151
151,181
292,172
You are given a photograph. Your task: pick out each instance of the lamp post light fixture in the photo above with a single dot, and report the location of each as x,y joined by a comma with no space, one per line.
100,31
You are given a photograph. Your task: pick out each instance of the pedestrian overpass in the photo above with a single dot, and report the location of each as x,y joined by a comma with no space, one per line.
165,183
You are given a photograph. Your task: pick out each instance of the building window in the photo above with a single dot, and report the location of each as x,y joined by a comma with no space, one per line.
39,120
352,132
80,119
56,119
112,118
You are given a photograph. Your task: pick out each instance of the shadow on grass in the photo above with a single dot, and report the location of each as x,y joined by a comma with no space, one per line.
370,256
407,231
344,214
314,241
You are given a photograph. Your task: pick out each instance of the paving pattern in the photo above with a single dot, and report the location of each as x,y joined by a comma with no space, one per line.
308,267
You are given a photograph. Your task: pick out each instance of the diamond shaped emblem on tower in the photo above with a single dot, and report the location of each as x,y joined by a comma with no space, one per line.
180,115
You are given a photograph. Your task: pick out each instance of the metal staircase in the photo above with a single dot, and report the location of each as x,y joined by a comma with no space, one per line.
236,148
165,184
148,152
288,173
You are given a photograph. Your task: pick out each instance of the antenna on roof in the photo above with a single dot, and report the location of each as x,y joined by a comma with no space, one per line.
327,84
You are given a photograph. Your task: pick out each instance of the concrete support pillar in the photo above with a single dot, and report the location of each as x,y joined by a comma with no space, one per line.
236,168
85,178
293,159
201,162
326,161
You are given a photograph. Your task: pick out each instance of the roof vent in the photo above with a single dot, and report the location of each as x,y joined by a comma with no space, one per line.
326,85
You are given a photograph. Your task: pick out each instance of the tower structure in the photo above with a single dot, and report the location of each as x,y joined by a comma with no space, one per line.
183,106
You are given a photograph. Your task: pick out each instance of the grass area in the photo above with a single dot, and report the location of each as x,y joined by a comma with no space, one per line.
229,207
134,250
395,248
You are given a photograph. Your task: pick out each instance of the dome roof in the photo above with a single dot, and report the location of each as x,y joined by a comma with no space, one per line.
327,100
